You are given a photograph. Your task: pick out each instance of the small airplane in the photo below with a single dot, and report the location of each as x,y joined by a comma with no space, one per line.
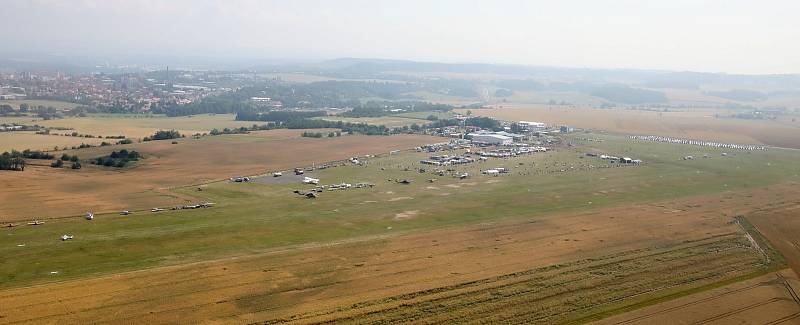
156,210
36,223
66,237
89,216
124,213
309,180
277,174
11,225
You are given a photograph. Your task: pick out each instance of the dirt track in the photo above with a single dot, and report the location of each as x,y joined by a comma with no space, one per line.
330,282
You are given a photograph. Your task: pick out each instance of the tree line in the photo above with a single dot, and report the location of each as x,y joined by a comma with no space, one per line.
384,108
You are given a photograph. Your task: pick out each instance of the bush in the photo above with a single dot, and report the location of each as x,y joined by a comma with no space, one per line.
164,135
76,165
57,164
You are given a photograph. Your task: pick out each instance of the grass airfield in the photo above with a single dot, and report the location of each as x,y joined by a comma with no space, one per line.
565,208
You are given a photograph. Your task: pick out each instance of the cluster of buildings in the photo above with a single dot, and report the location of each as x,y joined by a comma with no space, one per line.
266,102
511,132
501,138
129,92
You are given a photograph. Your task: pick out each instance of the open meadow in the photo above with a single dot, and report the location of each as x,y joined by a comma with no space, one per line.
694,124
42,192
563,237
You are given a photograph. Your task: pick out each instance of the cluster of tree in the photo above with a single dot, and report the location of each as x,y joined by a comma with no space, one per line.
312,134
217,105
347,127
7,110
66,157
383,108
8,162
240,130
336,94
320,134
47,113
31,154
628,95
163,135
81,146
481,122
118,159
278,116
60,163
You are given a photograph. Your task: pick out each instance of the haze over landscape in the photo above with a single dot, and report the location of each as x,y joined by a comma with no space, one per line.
399,162
707,36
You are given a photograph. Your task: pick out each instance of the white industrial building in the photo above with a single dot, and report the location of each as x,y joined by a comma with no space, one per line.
532,126
489,138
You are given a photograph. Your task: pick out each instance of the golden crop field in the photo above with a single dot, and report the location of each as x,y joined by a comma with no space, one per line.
696,124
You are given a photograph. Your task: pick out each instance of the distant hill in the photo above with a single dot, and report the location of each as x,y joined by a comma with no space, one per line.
742,95
642,77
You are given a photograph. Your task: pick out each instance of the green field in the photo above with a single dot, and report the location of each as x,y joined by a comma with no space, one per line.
253,217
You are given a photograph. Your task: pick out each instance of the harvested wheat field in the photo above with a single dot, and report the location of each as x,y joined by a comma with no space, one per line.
29,140
46,192
768,299
780,224
560,268
139,126
698,124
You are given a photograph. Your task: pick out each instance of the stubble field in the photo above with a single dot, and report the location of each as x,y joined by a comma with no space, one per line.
699,124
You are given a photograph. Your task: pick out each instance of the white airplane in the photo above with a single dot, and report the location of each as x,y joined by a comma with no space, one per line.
124,213
89,216
156,210
277,174
309,180
66,237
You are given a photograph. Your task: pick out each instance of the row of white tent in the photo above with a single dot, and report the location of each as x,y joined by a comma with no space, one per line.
658,138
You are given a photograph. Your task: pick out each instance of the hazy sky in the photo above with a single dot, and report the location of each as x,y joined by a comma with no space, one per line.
702,35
